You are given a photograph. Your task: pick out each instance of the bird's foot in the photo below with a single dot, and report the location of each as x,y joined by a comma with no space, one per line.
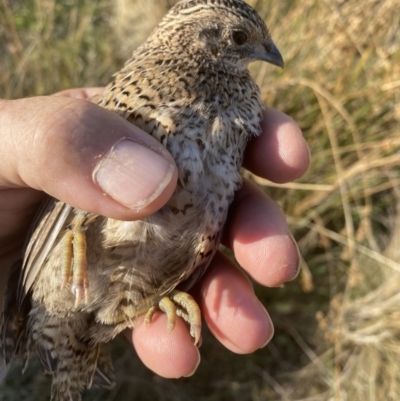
181,304
74,265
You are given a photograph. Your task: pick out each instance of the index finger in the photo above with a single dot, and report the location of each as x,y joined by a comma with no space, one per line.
280,153
81,93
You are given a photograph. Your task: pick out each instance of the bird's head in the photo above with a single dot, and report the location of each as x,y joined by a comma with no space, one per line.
228,31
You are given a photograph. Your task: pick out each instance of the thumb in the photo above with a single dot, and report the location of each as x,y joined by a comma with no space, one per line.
83,155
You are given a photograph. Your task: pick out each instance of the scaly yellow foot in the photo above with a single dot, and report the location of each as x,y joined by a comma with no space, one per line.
179,303
74,265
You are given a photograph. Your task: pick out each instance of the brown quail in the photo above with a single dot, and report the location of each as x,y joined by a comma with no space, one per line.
85,277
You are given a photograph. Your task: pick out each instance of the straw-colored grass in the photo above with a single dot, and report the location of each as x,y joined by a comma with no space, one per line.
338,330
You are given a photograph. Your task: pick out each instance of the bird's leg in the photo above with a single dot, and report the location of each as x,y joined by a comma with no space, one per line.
74,264
179,303
66,258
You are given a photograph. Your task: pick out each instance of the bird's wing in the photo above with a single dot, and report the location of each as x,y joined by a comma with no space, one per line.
47,225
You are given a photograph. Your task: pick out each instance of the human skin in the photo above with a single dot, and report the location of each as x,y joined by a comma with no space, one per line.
53,144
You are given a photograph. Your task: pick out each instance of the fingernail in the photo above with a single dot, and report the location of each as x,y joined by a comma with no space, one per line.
309,157
298,267
197,365
272,331
133,174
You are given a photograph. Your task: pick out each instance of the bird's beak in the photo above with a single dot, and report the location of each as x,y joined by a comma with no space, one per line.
270,54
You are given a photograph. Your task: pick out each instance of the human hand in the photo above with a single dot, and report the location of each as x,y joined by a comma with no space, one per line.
53,144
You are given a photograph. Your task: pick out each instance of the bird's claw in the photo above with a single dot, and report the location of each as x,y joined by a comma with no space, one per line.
181,304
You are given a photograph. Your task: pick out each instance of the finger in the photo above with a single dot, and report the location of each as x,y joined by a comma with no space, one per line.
280,153
84,155
170,355
232,311
260,238
81,93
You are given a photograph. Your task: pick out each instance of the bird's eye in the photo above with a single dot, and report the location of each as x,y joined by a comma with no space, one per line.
239,37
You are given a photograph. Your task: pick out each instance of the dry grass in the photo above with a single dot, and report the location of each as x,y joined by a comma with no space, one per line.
342,83
338,326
